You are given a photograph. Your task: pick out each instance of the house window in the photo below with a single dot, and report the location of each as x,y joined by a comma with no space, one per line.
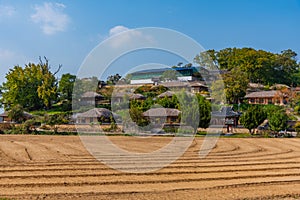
91,119
261,100
270,101
277,101
252,100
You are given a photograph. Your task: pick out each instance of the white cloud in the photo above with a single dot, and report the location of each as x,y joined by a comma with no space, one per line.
127,37
51,17
117,29
7,11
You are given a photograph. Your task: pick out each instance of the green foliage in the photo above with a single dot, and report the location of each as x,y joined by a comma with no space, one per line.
169,102
33,87
150,91
113,79
236,83
278,121
54,120
260,66
270,109
218,91
252,118
204,111
16,113
137,116
65,86
188,104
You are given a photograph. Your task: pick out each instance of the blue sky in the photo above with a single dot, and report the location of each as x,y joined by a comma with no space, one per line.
66,31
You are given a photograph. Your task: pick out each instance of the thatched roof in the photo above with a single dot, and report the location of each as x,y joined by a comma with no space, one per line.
96,112
162,112
131,96
263,94
26,114
166,94
91,95
198,84
137,97
279,86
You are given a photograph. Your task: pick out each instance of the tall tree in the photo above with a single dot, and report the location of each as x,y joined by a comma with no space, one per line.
33,87
278,121
65,86
204,111
16,113
236,83
260,66
252,118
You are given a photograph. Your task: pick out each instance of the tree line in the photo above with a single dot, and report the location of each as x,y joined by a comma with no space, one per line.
245,65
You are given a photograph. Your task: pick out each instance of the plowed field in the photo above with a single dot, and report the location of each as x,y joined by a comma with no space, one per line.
59,167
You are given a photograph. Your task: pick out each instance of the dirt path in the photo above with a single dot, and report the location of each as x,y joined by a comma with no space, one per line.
59,167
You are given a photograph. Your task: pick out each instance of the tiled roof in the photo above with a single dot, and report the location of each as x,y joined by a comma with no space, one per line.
263,94
197,84
225,111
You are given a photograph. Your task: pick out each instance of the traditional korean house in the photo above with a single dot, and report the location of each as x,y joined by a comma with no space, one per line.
267,97
168,94
94,115
91,98
4,117
163,115
225,117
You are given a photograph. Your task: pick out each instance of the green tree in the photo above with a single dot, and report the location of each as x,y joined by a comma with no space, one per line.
167,102
33,87
65,86
204,112
218,91
260,66
113,79
278,121
207,58
252,118
55,120
16,113
236,83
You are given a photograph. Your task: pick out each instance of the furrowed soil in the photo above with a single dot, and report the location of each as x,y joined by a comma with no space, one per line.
59,167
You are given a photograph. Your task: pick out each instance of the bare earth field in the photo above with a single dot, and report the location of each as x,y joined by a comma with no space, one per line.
59,167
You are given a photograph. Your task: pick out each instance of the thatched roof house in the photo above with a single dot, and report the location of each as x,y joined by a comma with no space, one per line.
197,87
124,96
95,115
168,94
166,115
90,98
4,117
137,97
